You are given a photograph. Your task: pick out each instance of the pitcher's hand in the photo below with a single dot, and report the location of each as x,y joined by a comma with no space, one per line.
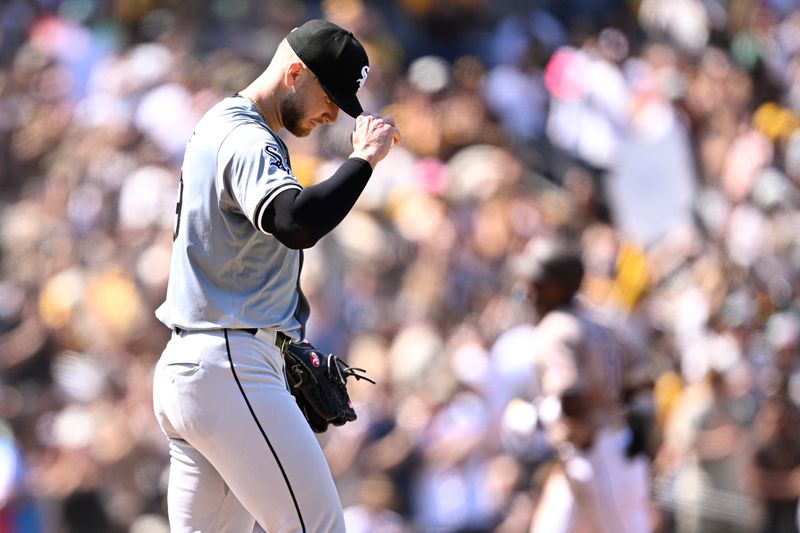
373,137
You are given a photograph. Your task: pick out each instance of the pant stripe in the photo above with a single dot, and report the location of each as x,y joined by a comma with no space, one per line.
263,433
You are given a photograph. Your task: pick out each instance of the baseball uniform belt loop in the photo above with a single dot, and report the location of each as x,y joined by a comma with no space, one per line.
282,340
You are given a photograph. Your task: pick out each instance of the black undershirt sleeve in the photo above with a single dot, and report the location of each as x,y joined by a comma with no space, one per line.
300,218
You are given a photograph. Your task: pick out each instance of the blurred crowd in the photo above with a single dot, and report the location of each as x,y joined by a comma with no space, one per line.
662,136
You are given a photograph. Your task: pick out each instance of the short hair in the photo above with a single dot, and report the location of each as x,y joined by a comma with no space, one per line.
551,260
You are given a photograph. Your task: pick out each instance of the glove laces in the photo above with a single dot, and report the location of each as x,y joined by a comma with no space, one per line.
344,371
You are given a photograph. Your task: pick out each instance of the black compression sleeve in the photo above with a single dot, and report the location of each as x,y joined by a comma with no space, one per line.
300,218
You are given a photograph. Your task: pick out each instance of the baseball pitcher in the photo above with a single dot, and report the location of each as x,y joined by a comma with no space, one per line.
238,391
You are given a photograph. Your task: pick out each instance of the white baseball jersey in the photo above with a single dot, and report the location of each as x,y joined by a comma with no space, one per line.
226,270
598,489
575,348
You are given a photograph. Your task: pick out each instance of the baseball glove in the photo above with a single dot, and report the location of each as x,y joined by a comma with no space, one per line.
319,384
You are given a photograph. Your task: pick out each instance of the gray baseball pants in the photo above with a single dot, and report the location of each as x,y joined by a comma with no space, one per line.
240,449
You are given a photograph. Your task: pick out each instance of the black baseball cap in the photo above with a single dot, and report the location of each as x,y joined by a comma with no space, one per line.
336,58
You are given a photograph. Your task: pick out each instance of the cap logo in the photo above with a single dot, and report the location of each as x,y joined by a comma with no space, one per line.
363,78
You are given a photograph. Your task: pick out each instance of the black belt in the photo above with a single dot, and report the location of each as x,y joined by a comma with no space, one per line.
281,338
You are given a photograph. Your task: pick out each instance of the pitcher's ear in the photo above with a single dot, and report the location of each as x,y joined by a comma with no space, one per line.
292,73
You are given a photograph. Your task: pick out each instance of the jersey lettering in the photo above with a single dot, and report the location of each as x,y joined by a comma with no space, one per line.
277,158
